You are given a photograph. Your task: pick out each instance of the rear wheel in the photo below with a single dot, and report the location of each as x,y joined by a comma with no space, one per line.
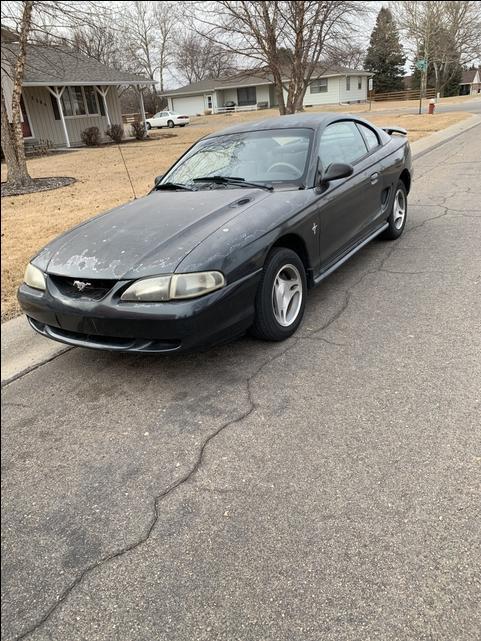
182,125
397,218
281,296
170,124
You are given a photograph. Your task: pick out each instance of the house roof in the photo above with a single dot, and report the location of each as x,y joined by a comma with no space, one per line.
51,65
468,76
248,79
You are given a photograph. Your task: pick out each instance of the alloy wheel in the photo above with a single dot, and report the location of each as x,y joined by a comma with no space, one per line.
287,295
399,209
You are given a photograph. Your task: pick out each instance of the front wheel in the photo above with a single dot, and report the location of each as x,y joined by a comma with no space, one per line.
170,124
397,217
148,126
281,296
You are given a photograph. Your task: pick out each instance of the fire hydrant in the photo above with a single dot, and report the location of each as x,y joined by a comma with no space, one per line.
432,104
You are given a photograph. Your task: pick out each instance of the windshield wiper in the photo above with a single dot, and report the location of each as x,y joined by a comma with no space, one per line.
173,186
232,180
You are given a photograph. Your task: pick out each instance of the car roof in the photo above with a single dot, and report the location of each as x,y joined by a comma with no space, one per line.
309,120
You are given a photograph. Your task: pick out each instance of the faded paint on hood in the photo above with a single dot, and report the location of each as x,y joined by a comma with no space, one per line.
145,237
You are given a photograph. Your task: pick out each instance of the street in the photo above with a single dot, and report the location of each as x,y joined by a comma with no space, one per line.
322,489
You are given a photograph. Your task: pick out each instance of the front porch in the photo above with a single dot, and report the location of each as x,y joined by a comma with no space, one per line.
244,98
56,115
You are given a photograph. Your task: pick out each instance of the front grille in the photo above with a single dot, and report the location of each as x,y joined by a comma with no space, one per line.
86,288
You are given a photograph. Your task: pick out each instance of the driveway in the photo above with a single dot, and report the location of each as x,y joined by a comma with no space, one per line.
326,488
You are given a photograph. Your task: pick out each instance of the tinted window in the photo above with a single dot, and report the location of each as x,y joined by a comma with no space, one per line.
370,136
341,142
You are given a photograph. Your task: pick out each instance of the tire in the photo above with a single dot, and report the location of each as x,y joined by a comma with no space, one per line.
282,265
397,217
181,125
170,124
148,126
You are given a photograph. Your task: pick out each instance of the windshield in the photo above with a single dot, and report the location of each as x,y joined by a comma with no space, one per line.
268,156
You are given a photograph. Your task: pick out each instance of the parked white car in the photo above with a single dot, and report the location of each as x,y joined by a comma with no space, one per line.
167,119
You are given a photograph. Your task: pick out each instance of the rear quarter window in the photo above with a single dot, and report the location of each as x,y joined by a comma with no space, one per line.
370,136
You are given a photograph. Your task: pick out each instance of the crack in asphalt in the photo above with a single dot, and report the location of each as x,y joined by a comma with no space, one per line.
320,338
252,407
162,495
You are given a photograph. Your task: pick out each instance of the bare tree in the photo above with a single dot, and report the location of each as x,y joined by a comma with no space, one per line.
12,135
197,58
350,55
446,33
99,41
259,30
31,21
139,35
166,18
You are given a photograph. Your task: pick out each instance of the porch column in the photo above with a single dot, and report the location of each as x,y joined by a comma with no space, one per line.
103,93
58,94
142,109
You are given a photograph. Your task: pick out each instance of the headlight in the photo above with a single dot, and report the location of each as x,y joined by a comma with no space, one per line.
163,288
34,277
192,285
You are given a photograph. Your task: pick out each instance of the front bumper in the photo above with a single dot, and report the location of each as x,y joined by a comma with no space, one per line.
111,324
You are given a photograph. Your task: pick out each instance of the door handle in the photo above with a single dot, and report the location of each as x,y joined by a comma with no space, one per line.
374,178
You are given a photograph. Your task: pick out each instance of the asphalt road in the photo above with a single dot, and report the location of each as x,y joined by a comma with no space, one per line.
327,488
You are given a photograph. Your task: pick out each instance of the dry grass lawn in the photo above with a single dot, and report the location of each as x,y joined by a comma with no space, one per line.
28,222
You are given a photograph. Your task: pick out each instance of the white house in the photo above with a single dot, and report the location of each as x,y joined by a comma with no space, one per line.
248,91
63,92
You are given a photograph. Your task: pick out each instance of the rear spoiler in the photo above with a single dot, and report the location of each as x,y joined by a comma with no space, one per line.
395,130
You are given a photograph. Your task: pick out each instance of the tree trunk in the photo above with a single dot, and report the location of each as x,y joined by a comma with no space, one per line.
279,91
12,134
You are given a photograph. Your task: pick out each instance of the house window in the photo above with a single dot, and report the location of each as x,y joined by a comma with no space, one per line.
348,83
79,101
246,96
359,82
91,100
319,85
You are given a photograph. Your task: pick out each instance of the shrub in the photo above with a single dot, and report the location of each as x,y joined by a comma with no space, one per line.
138,130
91,136
115,133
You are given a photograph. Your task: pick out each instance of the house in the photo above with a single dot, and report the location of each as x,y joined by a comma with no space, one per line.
64,92
470,82
256,90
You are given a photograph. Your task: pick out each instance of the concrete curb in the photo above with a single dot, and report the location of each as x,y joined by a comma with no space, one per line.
435,140
23,350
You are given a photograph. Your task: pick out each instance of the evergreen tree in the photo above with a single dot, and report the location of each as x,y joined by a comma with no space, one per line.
385,56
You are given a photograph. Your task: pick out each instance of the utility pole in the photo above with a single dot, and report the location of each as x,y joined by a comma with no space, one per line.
424,63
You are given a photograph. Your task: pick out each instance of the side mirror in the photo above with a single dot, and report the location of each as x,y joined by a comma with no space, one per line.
335,171
157,180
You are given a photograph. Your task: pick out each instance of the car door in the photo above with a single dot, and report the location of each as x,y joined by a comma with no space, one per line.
347,207
154,121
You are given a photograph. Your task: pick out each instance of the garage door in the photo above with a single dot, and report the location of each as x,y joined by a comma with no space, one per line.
189,105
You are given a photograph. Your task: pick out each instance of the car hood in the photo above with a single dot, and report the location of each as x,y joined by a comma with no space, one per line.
145,237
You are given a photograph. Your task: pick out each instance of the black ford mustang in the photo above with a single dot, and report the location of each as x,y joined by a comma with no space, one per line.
229,239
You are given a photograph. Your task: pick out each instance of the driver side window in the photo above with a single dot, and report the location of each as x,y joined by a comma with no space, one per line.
341,142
